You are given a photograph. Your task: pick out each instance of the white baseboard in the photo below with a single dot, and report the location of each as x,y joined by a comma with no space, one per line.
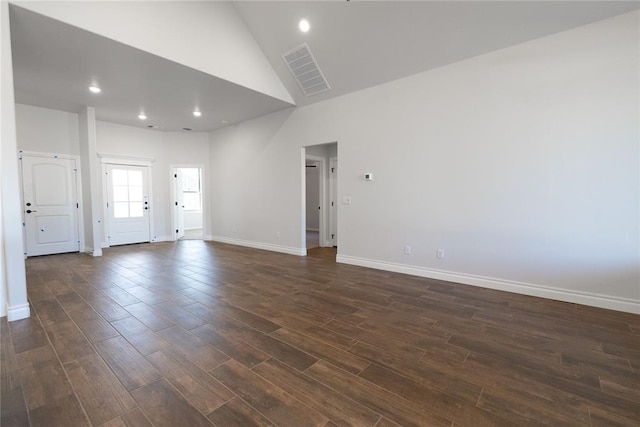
93,252
208,238
18,312
259,245
585,298
163,239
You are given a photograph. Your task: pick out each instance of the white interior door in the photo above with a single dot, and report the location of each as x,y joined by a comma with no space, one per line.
179,204
333,188
50,205
128,204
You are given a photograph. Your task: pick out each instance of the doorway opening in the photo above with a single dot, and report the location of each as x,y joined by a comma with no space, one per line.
319,224
188,212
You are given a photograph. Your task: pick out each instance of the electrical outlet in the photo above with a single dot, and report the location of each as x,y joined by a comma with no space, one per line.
346,200
440,254
407,250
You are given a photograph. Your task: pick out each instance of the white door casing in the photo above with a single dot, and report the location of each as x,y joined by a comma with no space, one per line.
128,204
50,205
324,230
178,204
333,188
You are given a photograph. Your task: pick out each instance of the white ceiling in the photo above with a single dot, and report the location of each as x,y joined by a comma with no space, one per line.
357,44
54,63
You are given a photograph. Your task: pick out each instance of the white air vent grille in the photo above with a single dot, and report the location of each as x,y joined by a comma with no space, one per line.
305,70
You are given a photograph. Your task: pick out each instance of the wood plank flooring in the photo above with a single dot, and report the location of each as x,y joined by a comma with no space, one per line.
199,333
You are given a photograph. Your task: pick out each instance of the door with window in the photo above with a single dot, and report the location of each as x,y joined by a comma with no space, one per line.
50,204
128,204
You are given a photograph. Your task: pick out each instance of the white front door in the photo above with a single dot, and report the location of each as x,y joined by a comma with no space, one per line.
50,205
127,204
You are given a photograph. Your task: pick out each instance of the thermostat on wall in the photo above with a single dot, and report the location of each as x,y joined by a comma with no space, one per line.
368,176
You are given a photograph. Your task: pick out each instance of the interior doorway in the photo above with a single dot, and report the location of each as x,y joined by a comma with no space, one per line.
313,204
188,208
317,234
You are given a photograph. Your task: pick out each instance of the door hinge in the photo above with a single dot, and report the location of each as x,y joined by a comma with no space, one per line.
332,169
77,206
177,231
107,204
175,175
176,203
332,235
331,203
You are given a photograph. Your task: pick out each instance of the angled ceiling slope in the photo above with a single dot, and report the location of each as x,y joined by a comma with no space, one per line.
55,62
359,44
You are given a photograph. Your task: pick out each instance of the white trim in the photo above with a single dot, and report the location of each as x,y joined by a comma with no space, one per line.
116,159
18,312
93,252
157,239
620,304
259,245
47,155
333,197
322,191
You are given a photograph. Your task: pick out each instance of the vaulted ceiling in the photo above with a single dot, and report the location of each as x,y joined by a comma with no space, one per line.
357,44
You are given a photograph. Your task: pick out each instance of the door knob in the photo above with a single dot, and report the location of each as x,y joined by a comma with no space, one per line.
29,211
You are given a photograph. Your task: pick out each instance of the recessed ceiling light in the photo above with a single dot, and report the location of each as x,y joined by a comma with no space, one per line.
304,25
197,113
142,116
95,89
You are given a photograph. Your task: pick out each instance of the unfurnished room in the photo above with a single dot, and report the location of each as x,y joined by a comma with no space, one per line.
320,213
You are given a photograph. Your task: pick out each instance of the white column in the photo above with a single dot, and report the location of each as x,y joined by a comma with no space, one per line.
13,264
91,191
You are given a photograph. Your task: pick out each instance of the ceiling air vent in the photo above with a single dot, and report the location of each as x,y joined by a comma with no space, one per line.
305,69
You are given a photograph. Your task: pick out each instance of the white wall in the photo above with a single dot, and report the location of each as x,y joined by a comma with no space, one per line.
13,281
192,220
208,36
521,164
47,131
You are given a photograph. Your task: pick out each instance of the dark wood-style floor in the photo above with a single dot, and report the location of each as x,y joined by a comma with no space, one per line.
199,333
